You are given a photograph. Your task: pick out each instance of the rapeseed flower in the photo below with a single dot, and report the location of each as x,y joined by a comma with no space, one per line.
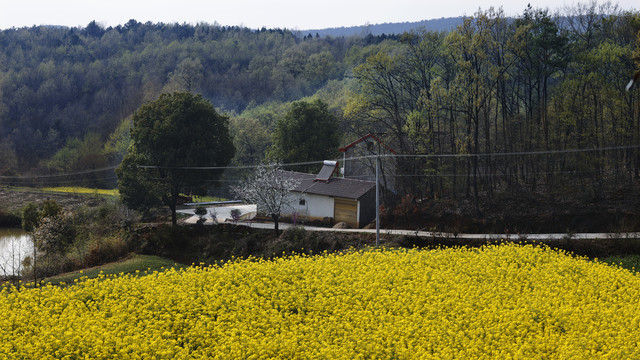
502,302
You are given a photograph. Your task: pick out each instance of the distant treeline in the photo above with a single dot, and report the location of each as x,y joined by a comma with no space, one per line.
389,29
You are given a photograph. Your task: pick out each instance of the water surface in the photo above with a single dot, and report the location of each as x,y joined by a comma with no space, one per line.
15,245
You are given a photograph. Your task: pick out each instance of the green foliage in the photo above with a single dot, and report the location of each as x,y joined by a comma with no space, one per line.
66,241
33,214
80,155
251,138
60,83
30,217
308,131
136,190
630,262
118,142
178,130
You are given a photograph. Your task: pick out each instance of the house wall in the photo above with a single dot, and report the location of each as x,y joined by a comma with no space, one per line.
367,208
346,210
320,207
316,207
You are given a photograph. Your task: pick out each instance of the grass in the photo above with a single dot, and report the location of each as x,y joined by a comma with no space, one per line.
629,262
129,265
198,199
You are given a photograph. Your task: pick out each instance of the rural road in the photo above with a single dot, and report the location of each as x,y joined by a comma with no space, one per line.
223,213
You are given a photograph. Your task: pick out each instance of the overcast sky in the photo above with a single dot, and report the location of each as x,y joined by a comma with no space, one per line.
290,14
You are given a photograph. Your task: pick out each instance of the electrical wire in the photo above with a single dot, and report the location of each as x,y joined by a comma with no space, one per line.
23,179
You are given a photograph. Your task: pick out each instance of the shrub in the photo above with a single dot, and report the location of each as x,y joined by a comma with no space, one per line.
201,212
106,249
407,207
55,234
294,235
9,219
235,215
33,213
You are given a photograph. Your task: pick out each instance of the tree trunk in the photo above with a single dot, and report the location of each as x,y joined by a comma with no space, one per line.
275,222
172,207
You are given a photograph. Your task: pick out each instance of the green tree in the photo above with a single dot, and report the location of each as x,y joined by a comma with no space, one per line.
307,132
177,132
33,213
251,139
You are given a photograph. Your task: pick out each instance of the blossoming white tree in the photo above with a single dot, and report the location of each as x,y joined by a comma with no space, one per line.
269,188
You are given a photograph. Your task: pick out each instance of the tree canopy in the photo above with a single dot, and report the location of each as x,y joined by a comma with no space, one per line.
170,136
307,132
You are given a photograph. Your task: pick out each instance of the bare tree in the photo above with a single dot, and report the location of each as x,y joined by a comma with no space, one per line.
270,189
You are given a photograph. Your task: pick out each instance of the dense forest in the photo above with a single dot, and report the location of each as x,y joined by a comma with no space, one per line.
535,103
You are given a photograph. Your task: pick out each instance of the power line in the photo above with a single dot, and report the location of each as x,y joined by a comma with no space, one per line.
239,167
57,182
84,172
542,152
225,167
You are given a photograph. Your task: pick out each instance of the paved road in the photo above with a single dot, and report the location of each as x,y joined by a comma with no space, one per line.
248,211
220,213
430,234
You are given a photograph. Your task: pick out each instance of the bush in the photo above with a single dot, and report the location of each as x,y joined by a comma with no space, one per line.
235,215
55,234
9,219
104,250
294,235
407,207
201,212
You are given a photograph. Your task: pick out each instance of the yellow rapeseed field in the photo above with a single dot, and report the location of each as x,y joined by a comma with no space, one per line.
501,302
82,190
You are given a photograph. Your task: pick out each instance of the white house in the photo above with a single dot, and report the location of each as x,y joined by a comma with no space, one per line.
330,199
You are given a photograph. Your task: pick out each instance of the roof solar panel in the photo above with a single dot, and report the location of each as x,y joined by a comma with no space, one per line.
328,169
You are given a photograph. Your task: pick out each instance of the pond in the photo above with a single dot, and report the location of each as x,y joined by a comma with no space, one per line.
15,245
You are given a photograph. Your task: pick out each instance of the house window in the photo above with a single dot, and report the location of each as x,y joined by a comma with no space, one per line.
302,202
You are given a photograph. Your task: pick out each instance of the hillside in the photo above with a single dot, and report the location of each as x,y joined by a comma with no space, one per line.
531,108
437,25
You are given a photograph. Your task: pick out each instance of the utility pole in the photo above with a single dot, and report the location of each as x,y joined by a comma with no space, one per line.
377,200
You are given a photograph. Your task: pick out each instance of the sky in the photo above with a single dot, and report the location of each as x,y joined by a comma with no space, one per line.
289,14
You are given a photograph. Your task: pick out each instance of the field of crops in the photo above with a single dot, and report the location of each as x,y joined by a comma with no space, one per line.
82,190
500,302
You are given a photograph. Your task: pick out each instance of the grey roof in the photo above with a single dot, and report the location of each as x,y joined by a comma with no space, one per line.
335,187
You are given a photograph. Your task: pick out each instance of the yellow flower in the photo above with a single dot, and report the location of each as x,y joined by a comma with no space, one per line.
505,301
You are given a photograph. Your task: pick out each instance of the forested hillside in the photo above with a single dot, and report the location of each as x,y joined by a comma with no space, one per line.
543,93
61,83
